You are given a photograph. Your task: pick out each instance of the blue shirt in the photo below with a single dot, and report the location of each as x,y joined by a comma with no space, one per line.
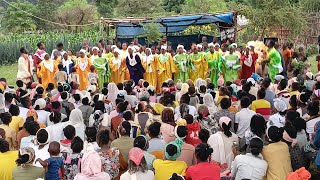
54,164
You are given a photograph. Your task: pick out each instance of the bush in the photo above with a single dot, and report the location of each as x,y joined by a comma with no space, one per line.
312,49
10,45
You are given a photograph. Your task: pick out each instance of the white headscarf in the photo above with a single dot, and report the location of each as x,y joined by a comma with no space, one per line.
41,103
112,93
76,118
184,88
280,105
208,100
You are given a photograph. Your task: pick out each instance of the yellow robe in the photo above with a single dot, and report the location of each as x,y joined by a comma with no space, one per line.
118,71
200,69
57,61
124,55
46,72
150,65
165,67
83,68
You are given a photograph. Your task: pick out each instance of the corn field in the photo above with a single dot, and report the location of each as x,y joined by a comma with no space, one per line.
10,45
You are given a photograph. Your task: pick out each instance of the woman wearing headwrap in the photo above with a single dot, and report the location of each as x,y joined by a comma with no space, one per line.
118,67
165,67
76,120
278,119
187,150
112,93
206,120
199,66
248,64
83,68
43,115
277,155
25,169
165,168
102,69
209,102
232,65
91,168
142,142
181,61
149,63
46,70
40,145
184,90
223,142
137,167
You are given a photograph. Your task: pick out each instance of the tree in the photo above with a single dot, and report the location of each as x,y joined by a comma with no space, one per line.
204,6
151,32
173,5
46,9
76,12
106,7
19,19
134,8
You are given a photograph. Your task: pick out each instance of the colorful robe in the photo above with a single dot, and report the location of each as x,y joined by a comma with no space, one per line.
46,72
118,69
83,68
37,59
232,67
166,68
103,70
214,65
135,67
199,67
181,61
67,65
275,66
150,65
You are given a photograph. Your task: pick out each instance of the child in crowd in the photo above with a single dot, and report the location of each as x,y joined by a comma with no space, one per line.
74,77
60,76
54,163
93,77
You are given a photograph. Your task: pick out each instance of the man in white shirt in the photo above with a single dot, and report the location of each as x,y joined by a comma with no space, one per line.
243,117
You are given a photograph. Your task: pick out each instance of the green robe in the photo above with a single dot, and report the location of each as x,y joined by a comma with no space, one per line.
181,61
103,70
275,63
214,66
232,67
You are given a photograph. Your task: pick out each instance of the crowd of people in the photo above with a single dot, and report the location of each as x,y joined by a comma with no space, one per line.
216,111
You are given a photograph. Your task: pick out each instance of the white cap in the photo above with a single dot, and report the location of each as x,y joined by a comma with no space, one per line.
253,82
95,48
164,47
180,46
234,45
199,46
114,47
83,51
211,44
216,44
279,77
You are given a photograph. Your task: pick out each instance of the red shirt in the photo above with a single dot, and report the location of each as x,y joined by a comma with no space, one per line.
193,134
203,171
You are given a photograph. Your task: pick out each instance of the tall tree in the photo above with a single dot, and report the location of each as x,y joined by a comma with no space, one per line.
46,9
76,12
173,5
17,17
204,6
106,7
141,8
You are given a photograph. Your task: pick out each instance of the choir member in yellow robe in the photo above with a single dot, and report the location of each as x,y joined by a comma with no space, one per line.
118,67
199,66
56,58
46,70
166,66
124,55
150,65
83,68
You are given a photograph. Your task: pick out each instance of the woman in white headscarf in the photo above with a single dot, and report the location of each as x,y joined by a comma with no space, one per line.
184,90
76,120
43,116
278,119
112,93
209,102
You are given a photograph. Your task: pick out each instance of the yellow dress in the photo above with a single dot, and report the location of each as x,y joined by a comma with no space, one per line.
83,68
46,72
124,55
57,61
200,67
118,69
149,63
165,67
7,164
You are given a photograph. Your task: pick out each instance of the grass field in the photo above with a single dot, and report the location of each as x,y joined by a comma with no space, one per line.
10,72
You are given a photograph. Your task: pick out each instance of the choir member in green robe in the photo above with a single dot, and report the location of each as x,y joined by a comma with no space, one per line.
232,65
181,61
102,69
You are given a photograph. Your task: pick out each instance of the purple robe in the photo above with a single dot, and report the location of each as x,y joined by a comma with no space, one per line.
136,71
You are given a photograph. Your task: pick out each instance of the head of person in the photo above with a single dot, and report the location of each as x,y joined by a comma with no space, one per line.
26,156
141,142
23,50
103,138
313,108
188,118
60,46
77,144
203,152
124,128
69,132
256,146
258,125
282,85
291,115
245,102
40,45
181,131
173,149
167,116
55,117
137,162
225,103
261,93
280,106
14,110
271,44
122,106
293,102
54,148
4,145
154,130
91,134
225,125
6,118
295,86
204,135
275,134
299,124
223,91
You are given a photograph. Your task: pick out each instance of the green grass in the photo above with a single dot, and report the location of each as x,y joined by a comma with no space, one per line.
314,64
9,72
